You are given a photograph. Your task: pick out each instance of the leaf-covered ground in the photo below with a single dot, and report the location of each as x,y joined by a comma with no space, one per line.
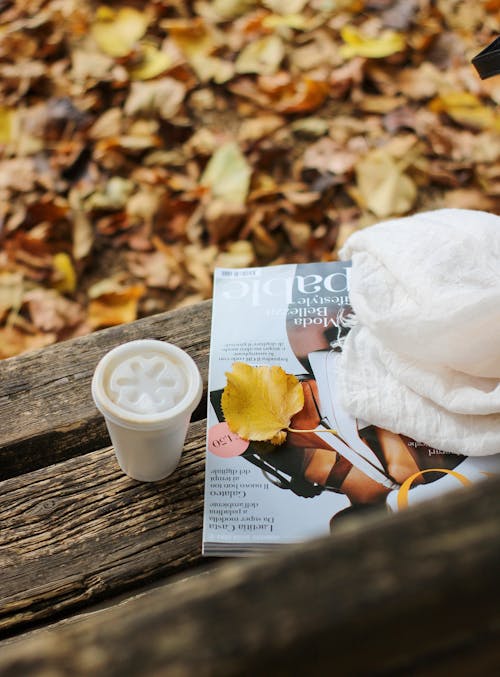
144,143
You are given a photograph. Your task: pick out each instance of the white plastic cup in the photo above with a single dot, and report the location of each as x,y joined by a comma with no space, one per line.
147,390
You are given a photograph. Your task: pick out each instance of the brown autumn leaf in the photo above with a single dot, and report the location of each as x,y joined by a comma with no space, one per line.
51,312
14,341
382,185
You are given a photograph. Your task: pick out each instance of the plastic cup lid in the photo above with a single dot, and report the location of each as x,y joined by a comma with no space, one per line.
146,384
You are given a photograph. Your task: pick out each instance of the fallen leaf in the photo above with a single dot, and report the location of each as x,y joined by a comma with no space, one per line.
259,402
213,68
14,341
223,219
357,44
116,32
115,307
192,36
18,174
293,20
153,62
239,254
153,268
114,196
49,311
285,6
261,56
306,95
230,9
89,64
466,109
259,127
7,124
109,124
164,97
64,273
311,127
382,186
470,198
328,156
11,291
227,174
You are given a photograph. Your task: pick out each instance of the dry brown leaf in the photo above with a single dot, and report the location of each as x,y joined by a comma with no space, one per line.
153,268
11,291
382,186
164,97
14,341
228,174
261,56
238,255
51,312
327,156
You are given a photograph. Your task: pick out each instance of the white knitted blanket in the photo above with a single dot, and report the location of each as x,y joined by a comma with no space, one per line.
424,357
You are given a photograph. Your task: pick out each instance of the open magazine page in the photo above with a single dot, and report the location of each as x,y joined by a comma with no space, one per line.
259,495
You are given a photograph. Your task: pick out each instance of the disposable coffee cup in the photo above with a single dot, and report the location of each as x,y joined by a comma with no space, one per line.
147,390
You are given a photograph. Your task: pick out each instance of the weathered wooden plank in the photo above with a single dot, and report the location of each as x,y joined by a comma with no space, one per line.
81,531
415,593
47,413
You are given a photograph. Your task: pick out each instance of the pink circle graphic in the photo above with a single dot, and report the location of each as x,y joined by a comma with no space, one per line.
224,443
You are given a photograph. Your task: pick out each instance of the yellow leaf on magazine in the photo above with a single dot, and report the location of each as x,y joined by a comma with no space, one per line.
116,32
227,174
357,44
258,402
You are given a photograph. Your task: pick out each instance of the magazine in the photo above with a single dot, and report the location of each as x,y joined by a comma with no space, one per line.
285,325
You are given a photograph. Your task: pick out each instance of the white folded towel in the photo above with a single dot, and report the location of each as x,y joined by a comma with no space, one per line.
424,357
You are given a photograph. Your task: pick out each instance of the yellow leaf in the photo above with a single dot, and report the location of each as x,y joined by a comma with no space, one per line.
261,56
115,307
389,42
192,36
227,174
382,185
285,6
230,9
258,402
65,273
116,32
296,21
7,124
153,63
466,109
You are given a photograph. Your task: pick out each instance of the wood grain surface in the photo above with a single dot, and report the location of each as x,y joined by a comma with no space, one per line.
81,531
47,412
415,593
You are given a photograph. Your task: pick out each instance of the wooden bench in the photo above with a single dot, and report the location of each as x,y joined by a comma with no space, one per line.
103,575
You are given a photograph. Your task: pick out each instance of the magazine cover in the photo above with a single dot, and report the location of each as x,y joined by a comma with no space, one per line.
285,462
